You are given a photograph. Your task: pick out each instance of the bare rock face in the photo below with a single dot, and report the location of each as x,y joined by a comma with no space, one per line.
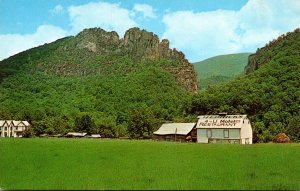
97,40
281,138
140,45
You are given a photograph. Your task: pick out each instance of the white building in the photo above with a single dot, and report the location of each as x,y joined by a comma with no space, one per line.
75,134
224,129
11,128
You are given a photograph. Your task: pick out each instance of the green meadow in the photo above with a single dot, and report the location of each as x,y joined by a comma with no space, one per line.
60,163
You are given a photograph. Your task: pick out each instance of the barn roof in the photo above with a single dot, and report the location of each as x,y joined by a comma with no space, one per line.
175,128
221,121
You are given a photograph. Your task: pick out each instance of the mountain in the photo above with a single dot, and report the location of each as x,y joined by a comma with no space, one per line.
269,92
220,69
97,81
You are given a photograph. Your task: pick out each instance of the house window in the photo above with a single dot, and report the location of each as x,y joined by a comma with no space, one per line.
208,133
5,134
226,133
5,128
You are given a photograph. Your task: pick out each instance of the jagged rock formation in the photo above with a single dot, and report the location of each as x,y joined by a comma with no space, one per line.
273,49
141,45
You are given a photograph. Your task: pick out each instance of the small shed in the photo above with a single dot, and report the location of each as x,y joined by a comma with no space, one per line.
93,136
181,132
75,134
223,128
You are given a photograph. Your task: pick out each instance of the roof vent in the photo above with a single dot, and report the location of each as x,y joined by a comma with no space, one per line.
223,114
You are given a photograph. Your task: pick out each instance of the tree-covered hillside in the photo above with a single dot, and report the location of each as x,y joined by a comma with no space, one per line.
220,69
269,93
96,82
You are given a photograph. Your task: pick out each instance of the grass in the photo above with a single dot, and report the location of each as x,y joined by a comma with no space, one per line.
124,164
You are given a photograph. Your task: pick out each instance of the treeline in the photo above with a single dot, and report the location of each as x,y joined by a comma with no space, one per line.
59,91
270,95
126,98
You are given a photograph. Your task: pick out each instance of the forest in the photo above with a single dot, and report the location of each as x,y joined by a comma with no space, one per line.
269,93
60,90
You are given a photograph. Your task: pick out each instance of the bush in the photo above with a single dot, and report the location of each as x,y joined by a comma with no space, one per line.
28,133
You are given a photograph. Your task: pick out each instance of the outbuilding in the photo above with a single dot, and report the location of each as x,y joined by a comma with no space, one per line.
93,136
181,132
223,128
75,134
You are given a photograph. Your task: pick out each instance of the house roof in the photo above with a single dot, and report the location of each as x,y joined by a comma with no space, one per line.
2,122
26,123
175,128
76,134
20,123
95,135
15,123
221,121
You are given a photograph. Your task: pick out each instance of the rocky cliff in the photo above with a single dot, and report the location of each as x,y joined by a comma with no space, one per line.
140,45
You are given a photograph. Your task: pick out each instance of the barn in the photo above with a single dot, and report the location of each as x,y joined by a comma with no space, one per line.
180,132
223,128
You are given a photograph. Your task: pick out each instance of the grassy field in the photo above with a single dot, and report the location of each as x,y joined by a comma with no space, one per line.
123,164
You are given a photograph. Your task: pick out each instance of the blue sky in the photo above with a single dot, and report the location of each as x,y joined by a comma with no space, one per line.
199,28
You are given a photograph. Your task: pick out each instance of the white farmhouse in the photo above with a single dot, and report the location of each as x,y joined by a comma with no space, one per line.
223,128
11,128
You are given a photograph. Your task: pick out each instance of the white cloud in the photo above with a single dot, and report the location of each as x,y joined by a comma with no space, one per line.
205,34
197,35
145,9
110,17
11,44
58,9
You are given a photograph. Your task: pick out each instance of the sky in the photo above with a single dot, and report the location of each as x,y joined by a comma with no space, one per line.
199,28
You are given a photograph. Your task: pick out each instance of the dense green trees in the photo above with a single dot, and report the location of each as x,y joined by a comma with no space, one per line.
220,69
85,124
141,123
270,95
59,91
